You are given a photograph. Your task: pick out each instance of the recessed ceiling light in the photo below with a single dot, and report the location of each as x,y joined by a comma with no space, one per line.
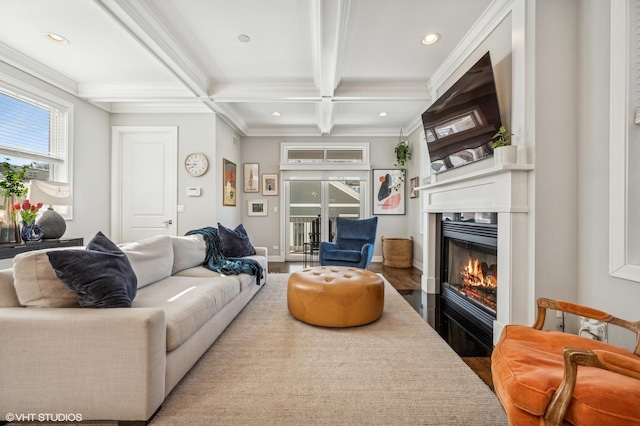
275,114
244,38
430,38
383,114
56,38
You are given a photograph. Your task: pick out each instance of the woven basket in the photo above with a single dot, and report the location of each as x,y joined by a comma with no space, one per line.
397,252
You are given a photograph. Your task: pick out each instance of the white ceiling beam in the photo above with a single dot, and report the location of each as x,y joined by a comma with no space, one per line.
329,21
382,92
144,26
326,114
264,92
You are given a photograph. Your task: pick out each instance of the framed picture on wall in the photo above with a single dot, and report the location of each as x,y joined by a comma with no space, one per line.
388,191
257,207
413,184
270,184
229,195
251,177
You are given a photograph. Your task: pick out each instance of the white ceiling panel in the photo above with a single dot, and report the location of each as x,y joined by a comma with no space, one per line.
328,66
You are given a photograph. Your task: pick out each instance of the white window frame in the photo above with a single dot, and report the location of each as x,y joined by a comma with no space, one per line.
60,172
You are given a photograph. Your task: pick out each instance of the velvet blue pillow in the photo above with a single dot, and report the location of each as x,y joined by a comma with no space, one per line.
235,242
101,274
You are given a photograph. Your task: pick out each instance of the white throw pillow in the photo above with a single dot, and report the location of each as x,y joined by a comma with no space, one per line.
188,252
36,282
151,259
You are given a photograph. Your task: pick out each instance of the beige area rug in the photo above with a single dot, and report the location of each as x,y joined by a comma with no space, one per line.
268,368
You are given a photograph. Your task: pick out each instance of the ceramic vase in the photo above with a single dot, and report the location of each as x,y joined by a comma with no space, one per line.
31,232
507,154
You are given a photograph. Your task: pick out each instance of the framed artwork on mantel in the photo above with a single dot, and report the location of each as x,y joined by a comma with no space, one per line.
388,191
251,177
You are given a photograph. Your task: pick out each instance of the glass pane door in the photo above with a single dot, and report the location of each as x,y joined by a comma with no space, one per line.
313,208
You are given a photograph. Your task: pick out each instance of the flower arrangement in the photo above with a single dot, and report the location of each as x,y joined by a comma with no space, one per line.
27,211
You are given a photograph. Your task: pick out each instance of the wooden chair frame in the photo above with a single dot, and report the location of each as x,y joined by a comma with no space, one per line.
573,357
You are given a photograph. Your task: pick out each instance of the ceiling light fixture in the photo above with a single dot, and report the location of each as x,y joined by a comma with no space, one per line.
244,38
430,38
56,38
275,114
383,114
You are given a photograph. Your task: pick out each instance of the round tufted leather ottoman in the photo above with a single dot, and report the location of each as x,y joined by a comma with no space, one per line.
335,296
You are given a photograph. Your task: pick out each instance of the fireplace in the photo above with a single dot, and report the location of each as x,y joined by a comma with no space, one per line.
469,277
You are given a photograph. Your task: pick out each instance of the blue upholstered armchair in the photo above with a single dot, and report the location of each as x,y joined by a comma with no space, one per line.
354,243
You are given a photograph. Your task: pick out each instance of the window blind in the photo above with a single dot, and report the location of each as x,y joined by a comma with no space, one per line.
31,129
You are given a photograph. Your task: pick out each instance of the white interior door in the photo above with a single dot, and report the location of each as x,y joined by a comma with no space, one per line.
144,179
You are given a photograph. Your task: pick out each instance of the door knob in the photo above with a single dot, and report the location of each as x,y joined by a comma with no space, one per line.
168,222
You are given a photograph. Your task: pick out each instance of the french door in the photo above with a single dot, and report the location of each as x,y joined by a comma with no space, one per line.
314,204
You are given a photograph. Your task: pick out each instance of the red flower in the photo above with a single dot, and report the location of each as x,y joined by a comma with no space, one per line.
39,205
16,206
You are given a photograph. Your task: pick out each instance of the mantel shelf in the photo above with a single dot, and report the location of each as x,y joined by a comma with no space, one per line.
478,174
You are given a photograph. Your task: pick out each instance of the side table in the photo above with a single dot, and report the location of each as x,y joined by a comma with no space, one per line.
9,251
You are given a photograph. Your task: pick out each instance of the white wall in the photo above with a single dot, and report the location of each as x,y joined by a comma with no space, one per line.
196,133
229,216
91,154
266,231
595,286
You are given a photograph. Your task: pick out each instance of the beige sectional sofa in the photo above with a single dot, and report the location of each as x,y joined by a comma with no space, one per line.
118,363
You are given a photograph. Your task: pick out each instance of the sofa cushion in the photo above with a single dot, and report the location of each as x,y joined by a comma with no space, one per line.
188,303
101,274
8,295
36,282
151,258
343,255
527,367
188,252
235,242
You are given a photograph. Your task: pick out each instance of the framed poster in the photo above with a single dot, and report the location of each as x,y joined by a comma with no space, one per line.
413,184
228,183
257,207
388,191
250,177
270,184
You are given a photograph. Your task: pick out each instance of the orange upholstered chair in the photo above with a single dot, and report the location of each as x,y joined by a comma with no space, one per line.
554,378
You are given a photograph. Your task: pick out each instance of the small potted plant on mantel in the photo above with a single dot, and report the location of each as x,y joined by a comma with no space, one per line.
503,151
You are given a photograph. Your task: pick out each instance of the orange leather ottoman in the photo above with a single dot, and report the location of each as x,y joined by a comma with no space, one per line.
335,296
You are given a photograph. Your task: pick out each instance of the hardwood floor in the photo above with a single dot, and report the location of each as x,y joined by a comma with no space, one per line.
401,279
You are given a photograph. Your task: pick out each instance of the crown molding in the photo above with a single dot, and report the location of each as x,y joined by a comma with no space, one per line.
414,125
326,111
229,116
37,69
134,92
139,20
160,107
481,29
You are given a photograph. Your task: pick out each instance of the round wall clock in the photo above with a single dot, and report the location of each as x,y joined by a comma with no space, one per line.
196,164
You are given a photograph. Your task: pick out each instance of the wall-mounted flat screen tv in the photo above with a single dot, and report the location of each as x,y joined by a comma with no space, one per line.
460,125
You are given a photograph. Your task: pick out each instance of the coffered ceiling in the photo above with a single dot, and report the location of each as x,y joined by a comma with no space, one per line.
327,66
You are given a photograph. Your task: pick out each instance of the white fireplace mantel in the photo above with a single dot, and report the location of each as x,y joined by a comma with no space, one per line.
499,189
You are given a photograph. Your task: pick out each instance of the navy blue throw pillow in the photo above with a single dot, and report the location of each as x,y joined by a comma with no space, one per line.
235,242
101,274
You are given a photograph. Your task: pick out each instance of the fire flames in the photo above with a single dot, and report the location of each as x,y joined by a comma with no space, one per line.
479,274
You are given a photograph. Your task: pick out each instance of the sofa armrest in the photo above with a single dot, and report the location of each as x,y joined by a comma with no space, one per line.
367,252
101,363
598,358
262,251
